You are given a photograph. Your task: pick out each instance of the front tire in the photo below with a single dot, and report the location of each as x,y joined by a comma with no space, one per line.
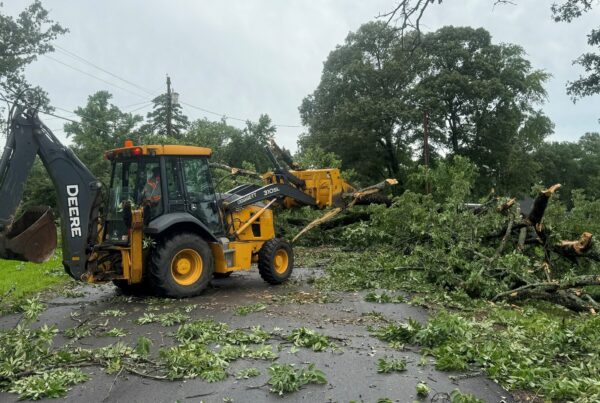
181,266
275,261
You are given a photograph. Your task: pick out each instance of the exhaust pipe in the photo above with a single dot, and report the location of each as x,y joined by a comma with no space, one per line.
32,238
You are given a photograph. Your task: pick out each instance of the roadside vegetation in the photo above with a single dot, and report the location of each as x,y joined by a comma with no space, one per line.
515,311
20,280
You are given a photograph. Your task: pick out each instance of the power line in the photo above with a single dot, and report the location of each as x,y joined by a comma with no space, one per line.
97,78
292,126
57,116
225,116
147,104
75,56
136,104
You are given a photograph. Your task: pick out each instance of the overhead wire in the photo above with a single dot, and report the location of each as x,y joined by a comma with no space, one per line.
96,77
140,108
84,60
53,114
225,116
77,57
135,104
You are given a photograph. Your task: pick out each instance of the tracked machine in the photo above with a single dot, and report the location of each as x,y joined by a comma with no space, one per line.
160,224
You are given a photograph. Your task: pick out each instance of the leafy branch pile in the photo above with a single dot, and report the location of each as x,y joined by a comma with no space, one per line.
491,251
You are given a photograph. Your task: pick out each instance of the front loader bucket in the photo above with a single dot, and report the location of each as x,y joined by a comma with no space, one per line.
32,238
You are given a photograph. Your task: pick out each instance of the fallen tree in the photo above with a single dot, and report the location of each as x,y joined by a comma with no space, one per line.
490,250
568,291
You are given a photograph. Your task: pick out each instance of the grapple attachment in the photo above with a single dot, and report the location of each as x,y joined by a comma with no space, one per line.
31,238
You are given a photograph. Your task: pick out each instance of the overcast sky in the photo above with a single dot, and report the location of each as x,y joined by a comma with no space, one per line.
241,58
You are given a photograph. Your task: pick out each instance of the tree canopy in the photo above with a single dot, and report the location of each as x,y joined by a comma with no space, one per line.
102,127
408,15
157,118
361,109
22,40
575,165
479,99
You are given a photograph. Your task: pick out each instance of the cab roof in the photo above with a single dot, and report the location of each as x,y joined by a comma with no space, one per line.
157,149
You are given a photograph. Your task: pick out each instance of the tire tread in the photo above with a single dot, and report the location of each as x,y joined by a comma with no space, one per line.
265,261
159,272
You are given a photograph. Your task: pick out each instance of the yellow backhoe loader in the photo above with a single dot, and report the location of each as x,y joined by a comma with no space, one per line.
162,225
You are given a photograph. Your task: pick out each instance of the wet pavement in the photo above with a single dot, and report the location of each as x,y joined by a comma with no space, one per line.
351,371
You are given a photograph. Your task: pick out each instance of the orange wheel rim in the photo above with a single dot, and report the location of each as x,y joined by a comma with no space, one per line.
186,267
281,261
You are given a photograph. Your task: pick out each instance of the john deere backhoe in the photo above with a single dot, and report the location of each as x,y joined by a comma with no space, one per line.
162,223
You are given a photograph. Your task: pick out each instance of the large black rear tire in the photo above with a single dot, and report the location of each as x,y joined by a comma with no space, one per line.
275,261
181,266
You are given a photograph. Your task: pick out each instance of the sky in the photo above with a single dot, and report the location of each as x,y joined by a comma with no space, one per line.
242,58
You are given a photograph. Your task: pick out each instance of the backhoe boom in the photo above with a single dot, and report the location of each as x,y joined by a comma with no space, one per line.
33,237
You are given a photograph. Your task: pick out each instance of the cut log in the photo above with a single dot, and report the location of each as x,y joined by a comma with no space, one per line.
364,192
328,216
236,171
567,293
375,198
575,248
504,207
539,205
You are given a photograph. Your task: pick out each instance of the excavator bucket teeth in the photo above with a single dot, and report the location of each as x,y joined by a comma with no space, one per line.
31,238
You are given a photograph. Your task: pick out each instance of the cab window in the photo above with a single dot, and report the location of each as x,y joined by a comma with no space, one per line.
200,192
136,183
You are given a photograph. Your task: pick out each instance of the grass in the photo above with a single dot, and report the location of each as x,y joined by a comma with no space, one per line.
19,280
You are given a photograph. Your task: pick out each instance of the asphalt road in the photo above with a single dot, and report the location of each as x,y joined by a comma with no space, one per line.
351,372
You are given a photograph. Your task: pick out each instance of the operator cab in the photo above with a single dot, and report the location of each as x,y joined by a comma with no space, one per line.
161,179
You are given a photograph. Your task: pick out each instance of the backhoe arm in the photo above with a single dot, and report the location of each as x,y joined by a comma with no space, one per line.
78,195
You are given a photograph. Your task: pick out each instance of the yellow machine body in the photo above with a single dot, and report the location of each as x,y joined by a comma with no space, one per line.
326,186
253,226
249,227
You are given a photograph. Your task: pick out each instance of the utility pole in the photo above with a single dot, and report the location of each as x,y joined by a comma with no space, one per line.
169,107
426,149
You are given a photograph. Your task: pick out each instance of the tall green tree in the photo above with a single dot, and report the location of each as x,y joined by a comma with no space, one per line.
588,83
157,118
408,14
22,40
361,109
247,146
575,165
481,99
102,126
